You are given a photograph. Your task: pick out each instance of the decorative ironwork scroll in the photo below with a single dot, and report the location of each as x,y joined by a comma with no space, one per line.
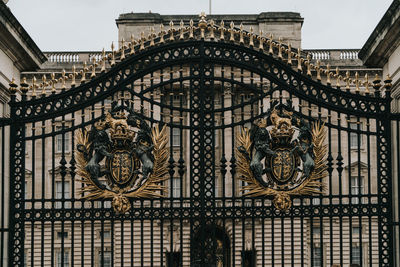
294,156
135,162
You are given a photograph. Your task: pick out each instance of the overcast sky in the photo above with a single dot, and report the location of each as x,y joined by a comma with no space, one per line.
84,25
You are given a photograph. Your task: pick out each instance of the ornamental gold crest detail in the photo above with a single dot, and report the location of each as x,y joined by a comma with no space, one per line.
282,156
121,157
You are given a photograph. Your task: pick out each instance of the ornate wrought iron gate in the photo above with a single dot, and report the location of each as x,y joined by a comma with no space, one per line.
204,88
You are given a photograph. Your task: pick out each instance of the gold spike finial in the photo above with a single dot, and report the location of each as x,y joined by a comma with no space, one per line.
24,86
112,54
34,86
122,49
328,74
289,53
271,44
241,39
152,34
366,84
103,61
318,69
357,83
260,40
94,67
162,32
299,60
13,86
132,45
232,31
53,82
73,76
280,48
203,21
347,79
222,30
251,37
181,29
388,83
191,29
308,63
44,85
63,79
377,84
171,31
83,72
142,40
211,28
338,77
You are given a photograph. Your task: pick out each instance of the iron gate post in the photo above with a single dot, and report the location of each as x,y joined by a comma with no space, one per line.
17,187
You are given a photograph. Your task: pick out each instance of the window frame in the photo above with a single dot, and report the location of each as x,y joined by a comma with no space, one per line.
59,137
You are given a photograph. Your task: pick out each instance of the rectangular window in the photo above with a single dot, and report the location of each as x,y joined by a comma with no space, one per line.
355,138
176,187
105,261
106,234
59,140
173,259
316,230
60,235
62,259
317,256
356,255
249,258
356,230
60,194
176,137
357,188
218,187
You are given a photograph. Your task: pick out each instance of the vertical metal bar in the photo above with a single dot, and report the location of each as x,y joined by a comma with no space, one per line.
233,166
32,196
3,210
53,138
369,192
17,187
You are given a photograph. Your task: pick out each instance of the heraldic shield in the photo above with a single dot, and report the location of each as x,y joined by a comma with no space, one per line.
135,161
282,156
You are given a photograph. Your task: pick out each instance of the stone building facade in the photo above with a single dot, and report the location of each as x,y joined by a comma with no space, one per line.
155,243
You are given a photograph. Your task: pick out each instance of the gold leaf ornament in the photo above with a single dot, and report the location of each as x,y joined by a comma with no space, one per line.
151,188
312,185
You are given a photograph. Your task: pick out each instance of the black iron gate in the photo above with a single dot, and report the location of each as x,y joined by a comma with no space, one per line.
204,88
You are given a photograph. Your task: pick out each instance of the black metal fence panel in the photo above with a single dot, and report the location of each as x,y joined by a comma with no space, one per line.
205,93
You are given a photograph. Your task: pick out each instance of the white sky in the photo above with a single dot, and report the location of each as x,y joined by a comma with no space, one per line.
85,25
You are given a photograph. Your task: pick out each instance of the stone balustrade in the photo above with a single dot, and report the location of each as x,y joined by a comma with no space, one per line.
316,54
333,54
72,57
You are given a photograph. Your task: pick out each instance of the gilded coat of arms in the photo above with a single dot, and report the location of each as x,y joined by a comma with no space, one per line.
122,150
282,156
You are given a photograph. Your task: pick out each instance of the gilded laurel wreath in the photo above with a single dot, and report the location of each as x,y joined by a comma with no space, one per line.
309,185
150,187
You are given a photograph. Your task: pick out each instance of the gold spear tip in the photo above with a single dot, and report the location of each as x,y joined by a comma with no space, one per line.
232,25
